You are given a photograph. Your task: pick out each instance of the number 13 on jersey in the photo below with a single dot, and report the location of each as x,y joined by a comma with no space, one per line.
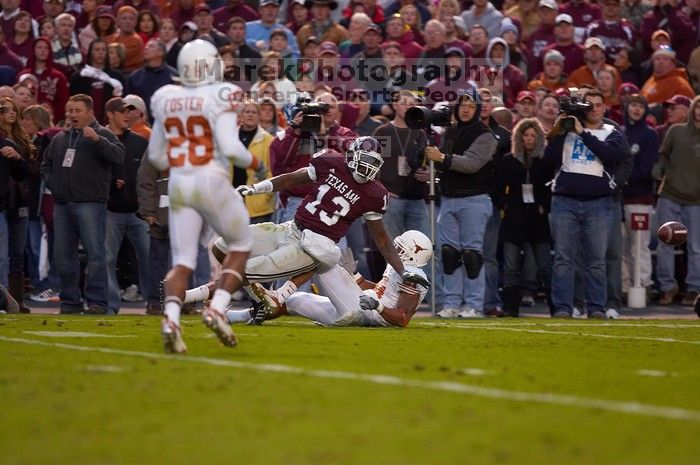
191,141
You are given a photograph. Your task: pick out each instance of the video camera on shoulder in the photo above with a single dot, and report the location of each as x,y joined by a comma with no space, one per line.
420,117
312,111
574,108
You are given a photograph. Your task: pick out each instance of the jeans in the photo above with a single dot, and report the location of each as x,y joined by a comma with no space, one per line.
17,228
613,259
404,214
84,222
586,224
117,225
629,247
513,258
689,215
492,299
287,213
462,224
158,266
358,244
202,273
4,249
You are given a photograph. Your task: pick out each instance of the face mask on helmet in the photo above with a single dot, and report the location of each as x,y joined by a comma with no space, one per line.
364,159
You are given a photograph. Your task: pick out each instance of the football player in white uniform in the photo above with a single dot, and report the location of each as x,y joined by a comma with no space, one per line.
354,301
193,136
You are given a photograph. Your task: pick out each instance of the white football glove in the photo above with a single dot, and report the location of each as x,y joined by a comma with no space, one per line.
246,190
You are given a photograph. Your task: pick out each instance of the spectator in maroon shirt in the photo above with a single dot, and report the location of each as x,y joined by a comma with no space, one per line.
8,57
564,43
397,31
478,41
583,13
455,33
615,31
299,16
233,8
669,16
183,12
542,37
677,109
22,41
140,5
53,85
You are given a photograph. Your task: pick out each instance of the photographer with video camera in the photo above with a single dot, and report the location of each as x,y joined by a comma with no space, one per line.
313,127
583,151
466,179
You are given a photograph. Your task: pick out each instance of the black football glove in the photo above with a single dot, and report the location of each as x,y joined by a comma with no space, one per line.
414,278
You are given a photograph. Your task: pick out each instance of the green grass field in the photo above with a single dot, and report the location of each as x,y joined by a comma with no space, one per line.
82,390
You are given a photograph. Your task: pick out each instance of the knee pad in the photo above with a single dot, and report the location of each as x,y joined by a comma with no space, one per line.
473,261
451,259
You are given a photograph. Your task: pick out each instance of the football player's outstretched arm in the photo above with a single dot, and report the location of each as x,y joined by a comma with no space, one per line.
385,244
279,182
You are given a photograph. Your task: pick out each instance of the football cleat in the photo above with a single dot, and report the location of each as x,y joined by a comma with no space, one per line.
172,338
257,314
217,323
269,301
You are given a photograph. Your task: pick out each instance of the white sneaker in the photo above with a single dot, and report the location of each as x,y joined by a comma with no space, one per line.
217,323
448,313
612,314
577,314
172,338
527,301
469,312
131,294
48,295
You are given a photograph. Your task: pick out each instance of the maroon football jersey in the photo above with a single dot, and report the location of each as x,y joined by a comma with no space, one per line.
336,199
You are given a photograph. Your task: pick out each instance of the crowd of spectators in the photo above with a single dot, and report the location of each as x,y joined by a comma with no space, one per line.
518,213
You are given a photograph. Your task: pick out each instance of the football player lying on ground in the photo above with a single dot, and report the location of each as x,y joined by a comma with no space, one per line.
344,189
354,301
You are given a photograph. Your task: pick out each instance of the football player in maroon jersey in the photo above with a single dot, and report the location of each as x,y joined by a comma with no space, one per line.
344,189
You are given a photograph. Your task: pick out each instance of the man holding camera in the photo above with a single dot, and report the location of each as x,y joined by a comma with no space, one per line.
584,154
293,148
466,180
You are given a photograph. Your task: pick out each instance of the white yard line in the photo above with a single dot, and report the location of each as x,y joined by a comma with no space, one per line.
553,324
674,413
656,373
76,334
564,333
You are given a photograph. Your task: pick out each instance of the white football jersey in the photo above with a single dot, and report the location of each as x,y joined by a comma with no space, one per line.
388,287
195,128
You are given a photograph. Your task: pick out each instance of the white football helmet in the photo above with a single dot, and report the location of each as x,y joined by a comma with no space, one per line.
199,63
364,158
414,248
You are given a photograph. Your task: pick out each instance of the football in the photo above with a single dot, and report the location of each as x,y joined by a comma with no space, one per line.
672,233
